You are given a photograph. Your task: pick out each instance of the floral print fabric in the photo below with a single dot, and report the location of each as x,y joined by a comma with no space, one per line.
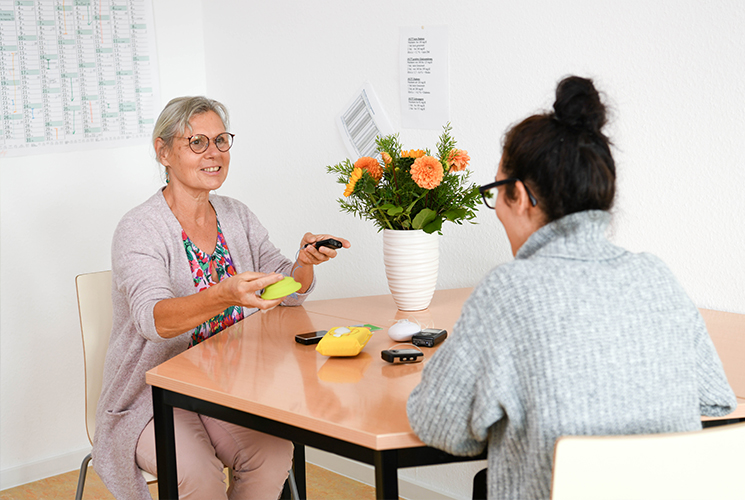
208,270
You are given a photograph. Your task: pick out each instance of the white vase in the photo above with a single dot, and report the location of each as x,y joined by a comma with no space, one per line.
411,262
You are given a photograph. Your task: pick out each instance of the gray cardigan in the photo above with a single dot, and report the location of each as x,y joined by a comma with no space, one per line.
149,264
575,336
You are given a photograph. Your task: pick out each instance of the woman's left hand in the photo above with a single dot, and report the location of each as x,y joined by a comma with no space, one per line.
311,256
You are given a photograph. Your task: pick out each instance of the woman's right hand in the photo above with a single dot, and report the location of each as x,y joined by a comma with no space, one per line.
180,314
242,289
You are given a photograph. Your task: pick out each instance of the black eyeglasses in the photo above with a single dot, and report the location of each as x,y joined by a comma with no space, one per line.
490,196
200,142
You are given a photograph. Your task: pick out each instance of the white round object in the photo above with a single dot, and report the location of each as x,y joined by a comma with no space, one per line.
402,330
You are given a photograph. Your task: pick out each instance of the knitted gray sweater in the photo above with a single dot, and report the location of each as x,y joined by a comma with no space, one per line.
149,264
575,336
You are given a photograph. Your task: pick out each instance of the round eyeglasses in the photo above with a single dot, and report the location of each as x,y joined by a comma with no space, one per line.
489,191
200,142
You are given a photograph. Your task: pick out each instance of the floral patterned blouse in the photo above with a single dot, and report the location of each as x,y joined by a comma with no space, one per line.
208,270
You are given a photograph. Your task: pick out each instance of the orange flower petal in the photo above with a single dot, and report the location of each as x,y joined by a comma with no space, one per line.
413,153
356,175
427,172
458,160
371,165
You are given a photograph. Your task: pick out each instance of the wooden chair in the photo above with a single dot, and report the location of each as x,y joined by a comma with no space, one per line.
689,465
96,316
95,309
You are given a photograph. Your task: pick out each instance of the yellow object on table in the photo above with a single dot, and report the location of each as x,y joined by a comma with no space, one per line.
344,341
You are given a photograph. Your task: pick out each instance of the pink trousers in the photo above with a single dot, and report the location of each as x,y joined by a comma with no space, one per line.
259,463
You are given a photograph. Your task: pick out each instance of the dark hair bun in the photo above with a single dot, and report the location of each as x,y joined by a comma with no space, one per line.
578,104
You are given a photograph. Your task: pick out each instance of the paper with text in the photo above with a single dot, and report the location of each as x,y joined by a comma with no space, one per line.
425,88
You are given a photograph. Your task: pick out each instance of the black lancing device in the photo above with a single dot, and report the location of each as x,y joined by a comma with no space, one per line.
330,243
429,337
401,355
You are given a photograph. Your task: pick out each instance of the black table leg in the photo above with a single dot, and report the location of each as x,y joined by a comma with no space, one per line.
386,475
298,461
165,447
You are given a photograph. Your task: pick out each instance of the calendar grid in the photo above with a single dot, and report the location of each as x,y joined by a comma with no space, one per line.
75,73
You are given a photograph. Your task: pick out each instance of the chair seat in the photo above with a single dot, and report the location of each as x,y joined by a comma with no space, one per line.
148,477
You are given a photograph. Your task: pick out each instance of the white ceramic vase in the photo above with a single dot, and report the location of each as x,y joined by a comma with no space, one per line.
411,262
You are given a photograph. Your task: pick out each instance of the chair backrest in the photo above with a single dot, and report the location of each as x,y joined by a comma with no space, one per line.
95,309
700,464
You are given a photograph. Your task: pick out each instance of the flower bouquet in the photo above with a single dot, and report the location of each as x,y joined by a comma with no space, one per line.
408,190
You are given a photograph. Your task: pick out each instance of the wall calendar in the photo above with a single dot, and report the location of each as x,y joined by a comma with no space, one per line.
76,74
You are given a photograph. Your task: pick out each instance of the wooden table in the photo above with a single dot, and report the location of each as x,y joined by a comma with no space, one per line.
254,374
727,331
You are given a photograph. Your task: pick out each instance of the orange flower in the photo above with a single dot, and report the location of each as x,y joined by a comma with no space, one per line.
427,172
386,158
458,159
371,165
356,175
412,153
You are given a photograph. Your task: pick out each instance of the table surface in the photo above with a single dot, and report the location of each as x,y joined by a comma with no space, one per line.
257,367
727,331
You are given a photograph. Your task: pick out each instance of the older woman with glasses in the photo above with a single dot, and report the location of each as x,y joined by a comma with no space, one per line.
186,264
576,335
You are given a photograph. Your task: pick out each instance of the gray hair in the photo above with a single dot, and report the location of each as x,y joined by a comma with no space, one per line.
174,119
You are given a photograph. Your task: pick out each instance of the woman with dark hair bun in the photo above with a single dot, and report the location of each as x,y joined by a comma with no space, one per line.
564,156
576,336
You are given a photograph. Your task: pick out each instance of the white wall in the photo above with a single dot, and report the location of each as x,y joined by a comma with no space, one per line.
674,73
58,214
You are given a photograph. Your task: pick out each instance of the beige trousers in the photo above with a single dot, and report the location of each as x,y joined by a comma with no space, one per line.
258,462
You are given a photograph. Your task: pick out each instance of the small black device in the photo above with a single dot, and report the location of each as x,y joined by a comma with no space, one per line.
310,337
331,243
429,337
402,355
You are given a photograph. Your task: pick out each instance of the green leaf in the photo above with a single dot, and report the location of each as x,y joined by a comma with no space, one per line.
395,210
387,206
455,214
424,217
435,225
